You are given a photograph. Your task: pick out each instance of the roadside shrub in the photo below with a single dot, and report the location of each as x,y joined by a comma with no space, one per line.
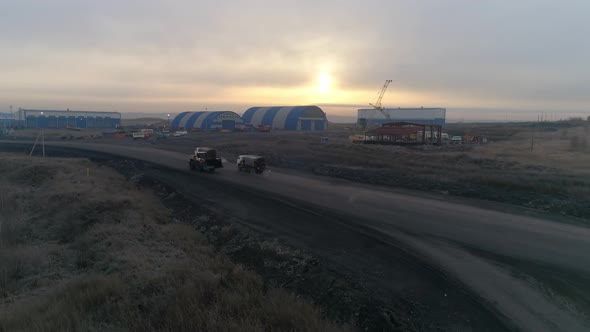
79,305
564,133
105,256
11,230
85,255
16,264
578,143
32,175
190,300
574,142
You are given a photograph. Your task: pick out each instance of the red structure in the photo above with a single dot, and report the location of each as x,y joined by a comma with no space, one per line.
405,133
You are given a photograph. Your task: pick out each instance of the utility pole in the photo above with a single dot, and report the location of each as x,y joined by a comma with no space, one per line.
43,141
506,127
34,145
533,134
42,137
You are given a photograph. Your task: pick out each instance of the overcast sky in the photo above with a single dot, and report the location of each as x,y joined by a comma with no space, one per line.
170,56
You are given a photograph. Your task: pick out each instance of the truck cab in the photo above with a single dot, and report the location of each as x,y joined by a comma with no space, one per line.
204,159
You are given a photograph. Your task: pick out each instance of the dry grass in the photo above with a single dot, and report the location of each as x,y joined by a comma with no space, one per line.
58,134
91,253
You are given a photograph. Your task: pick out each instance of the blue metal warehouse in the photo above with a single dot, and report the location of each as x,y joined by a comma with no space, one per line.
217,120
429,116
7,120
67,119
287,117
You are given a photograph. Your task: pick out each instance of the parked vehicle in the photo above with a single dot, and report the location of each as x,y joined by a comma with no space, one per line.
161,135
180,133
456,140
248,162
6,132
204,159
138,135
356,139
264,128
147,132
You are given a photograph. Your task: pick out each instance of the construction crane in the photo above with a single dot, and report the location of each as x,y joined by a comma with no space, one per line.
377,104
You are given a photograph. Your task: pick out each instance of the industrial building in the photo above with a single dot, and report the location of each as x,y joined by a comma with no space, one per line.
373,116
218,120
7,120
287,117
67,119
404,133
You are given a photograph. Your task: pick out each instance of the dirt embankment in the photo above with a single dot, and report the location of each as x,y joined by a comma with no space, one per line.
81,248
342,297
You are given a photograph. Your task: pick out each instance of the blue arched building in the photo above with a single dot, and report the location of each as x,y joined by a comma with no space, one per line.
218,120
287,117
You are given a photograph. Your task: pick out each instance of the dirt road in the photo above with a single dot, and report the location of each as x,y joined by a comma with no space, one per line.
406,237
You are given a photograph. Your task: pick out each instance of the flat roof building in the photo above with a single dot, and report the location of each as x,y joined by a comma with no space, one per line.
7,120
29,118
429,116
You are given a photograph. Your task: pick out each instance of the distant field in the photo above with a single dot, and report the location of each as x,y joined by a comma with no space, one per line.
553,177
57,134
145,122
82,249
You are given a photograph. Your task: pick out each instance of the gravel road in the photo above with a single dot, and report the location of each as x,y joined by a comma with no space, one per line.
427,250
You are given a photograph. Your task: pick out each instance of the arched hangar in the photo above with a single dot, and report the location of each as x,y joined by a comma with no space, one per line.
218,120
287,117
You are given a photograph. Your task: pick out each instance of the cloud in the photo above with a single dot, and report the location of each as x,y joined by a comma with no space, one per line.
451,53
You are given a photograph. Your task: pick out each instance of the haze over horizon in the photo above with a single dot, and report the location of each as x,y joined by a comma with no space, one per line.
477,59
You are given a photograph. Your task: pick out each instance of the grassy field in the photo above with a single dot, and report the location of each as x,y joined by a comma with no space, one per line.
82,249
55,134
553,177
145,122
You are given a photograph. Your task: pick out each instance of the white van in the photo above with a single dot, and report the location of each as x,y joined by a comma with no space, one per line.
180,133
138,135
457,140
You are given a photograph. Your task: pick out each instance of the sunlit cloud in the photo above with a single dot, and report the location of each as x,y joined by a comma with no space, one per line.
157,55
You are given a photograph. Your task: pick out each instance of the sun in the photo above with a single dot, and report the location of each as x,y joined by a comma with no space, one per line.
324,82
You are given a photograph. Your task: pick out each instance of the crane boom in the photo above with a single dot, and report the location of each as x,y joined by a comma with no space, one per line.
377,104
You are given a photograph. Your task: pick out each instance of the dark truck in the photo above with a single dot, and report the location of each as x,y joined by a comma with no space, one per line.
249,162
205,159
